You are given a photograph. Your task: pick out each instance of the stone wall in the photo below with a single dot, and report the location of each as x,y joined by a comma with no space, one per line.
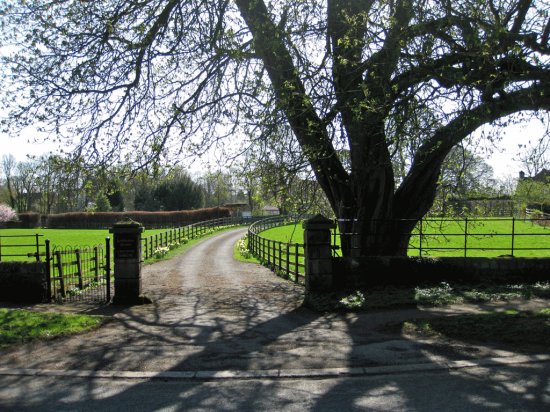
23,282
386,270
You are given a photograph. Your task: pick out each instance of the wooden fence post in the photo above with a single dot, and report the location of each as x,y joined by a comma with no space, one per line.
59,265
280,257
96,264
37,248
287,268
296,262
49,269
79,269
108,267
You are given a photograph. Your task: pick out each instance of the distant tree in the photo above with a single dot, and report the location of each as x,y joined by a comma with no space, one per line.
531,193
463,175
178,191
535,157
69,184
25,186
144,198
171,190
7,214
217,187
8,168
102,203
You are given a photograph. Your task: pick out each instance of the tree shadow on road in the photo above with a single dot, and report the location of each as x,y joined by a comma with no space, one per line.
262,327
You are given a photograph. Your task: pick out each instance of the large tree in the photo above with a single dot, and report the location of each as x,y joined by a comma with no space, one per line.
348,76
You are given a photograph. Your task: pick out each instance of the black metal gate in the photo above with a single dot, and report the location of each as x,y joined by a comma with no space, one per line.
80,274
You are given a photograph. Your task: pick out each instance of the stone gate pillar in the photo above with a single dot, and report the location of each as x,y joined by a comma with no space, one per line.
318,254
127,262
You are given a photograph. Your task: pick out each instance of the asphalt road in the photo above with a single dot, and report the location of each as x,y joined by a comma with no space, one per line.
517,388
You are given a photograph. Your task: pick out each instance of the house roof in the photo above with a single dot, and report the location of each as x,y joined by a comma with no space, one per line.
542,176
236,204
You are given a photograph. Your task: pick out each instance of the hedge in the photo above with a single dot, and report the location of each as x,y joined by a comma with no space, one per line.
103,220
29,220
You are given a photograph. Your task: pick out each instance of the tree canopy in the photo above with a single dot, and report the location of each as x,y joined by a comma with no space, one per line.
361,77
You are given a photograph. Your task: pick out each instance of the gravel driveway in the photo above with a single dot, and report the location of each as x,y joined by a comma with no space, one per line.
211,312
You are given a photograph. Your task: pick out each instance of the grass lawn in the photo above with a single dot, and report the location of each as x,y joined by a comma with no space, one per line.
503,327
486,238
58,237
20,326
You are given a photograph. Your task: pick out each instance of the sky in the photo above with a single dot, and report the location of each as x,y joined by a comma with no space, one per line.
501,159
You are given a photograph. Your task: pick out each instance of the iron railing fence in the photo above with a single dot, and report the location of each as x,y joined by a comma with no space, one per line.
466,237
80,273
284,258
153,244
21,247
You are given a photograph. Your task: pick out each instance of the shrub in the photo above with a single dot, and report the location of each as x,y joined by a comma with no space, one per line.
7,214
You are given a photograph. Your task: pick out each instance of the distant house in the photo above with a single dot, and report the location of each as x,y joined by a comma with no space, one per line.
238,209
535,191
543,176
270,210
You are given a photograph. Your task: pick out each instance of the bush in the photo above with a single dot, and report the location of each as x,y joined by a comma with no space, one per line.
7,214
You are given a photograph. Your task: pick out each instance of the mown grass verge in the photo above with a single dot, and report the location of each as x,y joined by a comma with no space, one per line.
241,252
19,326
511,327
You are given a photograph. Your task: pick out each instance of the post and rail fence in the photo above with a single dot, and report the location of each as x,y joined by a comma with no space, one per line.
176,236
284,258
85,273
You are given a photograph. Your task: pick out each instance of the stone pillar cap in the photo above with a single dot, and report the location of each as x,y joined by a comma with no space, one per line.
127,223
319,222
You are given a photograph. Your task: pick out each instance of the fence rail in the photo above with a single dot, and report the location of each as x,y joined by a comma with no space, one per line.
466,237
286,259
469,236
11,247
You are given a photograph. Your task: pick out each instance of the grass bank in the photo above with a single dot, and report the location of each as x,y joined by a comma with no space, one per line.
436,295
21,326
513,327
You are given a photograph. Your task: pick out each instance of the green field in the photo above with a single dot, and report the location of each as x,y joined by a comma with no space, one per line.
58,238
485,238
